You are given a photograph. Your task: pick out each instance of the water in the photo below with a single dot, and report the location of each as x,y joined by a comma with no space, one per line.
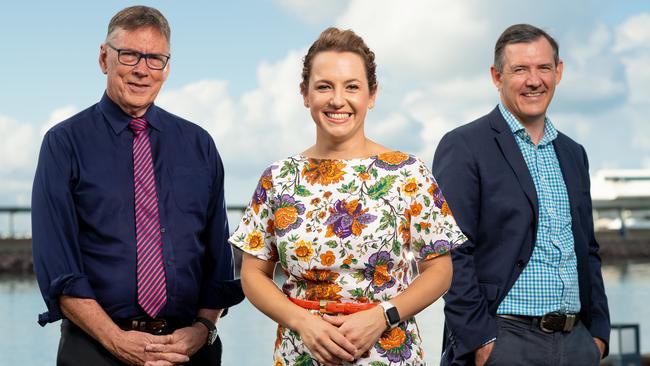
248,335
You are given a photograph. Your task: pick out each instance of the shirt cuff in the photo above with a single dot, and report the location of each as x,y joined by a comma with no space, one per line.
74,285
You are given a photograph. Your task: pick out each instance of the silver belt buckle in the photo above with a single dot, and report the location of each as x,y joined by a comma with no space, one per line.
569,322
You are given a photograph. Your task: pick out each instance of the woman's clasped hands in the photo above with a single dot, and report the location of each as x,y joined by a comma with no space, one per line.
333,339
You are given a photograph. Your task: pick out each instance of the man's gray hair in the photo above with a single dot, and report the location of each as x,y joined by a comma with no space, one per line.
135,17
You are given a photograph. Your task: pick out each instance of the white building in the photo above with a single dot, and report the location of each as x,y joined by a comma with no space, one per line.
621,199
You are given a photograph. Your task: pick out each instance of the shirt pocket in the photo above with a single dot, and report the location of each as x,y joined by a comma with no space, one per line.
191,189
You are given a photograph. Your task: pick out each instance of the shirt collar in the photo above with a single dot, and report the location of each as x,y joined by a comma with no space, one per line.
550,133
120,120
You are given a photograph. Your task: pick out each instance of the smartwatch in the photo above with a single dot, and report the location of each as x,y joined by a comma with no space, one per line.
212,329
390,314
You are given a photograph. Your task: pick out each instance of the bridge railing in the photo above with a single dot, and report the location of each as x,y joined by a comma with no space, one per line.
15,221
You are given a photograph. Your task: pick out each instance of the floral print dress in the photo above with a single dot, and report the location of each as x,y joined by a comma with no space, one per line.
347,230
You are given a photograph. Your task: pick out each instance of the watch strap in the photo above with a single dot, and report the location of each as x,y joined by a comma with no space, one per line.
212,329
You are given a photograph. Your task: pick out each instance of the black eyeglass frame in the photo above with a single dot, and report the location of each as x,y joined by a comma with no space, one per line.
140,55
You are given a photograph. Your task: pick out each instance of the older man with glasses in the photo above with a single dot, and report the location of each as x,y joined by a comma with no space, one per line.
129,220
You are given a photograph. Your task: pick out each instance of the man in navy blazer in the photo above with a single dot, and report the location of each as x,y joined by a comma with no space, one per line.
527,286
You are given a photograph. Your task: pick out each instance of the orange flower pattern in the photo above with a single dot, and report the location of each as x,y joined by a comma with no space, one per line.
323,171
327,258
345,230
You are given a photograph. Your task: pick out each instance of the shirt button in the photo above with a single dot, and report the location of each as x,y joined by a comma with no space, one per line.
162,230
550,210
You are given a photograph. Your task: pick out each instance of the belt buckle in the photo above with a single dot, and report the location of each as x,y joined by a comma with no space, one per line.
569,322
158,326
545,319
322,306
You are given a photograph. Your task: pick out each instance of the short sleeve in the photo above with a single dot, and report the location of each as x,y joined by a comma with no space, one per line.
255,233
434,231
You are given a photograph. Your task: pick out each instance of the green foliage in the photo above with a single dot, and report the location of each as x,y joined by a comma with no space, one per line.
387,219
360,168
396,247
357,292
304,360
287,168
301,190
349,188
331,243
282,251
382,187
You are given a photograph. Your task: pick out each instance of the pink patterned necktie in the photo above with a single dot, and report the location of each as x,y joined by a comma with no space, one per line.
152,292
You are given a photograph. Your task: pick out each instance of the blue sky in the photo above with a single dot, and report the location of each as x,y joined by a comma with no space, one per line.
236,66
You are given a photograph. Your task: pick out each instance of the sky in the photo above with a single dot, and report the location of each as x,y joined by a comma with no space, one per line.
235,70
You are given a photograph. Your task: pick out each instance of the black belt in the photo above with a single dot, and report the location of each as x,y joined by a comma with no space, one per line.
549,323
153,326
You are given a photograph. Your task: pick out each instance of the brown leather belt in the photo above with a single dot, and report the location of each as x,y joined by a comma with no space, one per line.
549,323
332,307
154,326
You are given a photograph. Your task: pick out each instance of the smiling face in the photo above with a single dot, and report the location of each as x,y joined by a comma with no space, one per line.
133,88
338,96
528,79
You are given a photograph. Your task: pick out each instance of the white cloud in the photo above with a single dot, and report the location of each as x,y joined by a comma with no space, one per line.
263,125
314,12
637,75
433,59
420,39
17,148
17,160
634,33
206,103
58,115
592,73
645,163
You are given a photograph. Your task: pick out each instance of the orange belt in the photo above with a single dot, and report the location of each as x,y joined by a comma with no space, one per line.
332,307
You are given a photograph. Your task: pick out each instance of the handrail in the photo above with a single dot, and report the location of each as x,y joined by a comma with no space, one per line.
11,211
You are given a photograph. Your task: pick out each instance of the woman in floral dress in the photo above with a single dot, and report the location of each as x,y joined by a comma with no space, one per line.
345,218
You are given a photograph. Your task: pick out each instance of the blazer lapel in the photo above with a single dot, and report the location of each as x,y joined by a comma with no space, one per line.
569,168
506,141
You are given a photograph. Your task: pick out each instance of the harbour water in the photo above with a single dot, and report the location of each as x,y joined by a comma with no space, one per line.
248,335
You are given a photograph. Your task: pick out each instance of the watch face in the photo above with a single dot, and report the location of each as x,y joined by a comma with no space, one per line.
212,336
393,316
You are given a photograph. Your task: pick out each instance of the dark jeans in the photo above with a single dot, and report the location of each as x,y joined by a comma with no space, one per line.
78,348
525,344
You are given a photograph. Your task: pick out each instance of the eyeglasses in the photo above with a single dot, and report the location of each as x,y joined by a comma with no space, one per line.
154,61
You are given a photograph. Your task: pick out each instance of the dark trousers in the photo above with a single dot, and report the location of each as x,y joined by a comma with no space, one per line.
78,348
525,344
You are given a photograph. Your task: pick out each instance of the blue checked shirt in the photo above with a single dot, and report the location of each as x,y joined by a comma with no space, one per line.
550,280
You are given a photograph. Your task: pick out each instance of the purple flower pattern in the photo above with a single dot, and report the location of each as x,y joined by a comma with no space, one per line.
348,218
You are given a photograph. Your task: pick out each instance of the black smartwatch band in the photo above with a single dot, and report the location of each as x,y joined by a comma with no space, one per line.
212,329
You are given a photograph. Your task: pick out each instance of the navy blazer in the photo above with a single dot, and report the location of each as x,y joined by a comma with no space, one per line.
483,176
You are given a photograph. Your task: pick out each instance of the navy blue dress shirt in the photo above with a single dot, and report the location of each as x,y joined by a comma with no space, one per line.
83,215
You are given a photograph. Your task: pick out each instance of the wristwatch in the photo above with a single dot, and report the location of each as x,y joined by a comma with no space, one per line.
390,314
212,329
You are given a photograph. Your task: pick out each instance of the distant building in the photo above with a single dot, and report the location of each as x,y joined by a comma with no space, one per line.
621,199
